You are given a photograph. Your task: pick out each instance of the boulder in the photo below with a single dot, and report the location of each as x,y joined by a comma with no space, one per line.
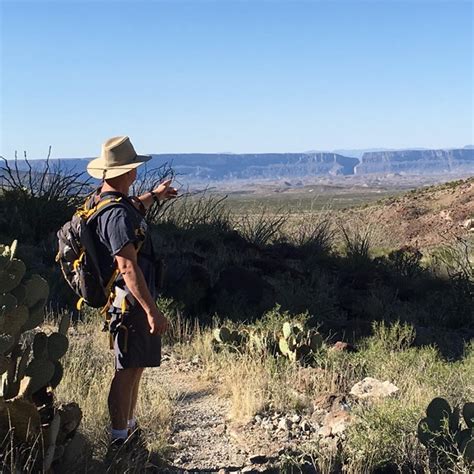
341,346
330,402
335,423
468,224
371,388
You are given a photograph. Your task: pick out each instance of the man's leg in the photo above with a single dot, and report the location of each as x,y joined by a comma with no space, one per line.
133,402
121,395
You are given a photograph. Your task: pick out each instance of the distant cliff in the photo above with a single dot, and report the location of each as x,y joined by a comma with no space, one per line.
265,165
416,162
226,166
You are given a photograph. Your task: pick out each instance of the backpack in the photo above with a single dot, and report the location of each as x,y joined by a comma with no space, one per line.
77,255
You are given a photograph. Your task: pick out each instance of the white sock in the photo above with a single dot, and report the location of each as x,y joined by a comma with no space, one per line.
119,434
132,424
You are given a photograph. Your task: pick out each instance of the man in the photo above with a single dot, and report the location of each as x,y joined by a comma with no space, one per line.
123,243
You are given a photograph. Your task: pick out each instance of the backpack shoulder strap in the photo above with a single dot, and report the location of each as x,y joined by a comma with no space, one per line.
90,211
103,201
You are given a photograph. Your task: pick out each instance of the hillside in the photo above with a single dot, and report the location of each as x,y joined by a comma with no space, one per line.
426,217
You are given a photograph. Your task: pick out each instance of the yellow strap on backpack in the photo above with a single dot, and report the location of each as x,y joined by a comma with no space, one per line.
79,304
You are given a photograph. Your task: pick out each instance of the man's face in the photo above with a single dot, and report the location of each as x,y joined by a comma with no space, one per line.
132,175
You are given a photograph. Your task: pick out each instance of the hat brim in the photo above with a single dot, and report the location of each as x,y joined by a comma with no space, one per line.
97,168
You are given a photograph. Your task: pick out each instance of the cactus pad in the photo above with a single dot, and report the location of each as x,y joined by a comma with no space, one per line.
468,451
36,316
468,414
58,375
287,331
8,302
57,345
292,343
6,343
37,289
315,341
40,346
13,321
4,261
427,431
41,372
19,293
302,352
462,437
237,338
11,277
222,335
453,420
10,389
438,410
64,324
283,346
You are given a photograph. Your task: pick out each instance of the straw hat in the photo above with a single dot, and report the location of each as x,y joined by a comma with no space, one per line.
117,157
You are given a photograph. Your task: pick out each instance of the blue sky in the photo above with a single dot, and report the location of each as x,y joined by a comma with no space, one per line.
238,76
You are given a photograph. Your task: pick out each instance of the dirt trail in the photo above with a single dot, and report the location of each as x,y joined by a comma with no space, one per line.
204,439
200,436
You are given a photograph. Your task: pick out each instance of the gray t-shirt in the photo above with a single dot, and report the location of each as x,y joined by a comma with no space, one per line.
116,227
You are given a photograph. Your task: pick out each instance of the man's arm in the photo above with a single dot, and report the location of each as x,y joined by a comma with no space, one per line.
164,192
135,281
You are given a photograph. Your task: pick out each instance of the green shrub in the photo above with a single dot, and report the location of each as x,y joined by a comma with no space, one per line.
383,436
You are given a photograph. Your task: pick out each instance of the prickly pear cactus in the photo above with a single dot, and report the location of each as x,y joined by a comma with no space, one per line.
22,299
441,431
225,336
29,374
298,345
45,370
293,341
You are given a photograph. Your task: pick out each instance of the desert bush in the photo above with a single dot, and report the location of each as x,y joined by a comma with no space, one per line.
383,437
315,236
455,259
395,337
356,242
193,212
262,228
406,262
36,202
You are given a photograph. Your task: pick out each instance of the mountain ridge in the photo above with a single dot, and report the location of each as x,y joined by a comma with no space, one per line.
228,166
